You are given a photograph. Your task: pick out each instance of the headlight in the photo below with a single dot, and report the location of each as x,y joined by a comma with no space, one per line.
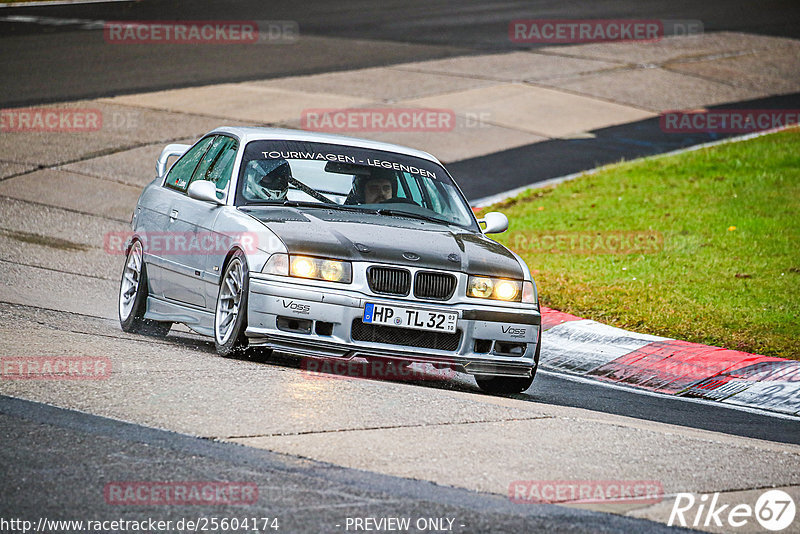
483,287
308,267
303,267
320,269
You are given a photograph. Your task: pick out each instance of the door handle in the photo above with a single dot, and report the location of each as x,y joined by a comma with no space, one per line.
173,215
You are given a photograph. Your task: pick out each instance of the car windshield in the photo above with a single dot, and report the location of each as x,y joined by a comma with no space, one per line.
310,175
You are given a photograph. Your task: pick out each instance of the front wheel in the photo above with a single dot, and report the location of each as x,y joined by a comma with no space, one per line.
230,316
504,384
133,291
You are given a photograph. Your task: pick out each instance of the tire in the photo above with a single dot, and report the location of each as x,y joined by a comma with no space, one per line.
502,385
230,312
133,291
499,385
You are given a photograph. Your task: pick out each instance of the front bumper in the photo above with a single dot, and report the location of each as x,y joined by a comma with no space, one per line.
316,321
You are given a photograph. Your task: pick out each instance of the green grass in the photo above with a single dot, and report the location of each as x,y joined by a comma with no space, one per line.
728,269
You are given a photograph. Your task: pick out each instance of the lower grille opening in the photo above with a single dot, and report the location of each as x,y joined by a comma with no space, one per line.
406,337
322,328
292,324
509,349
483,346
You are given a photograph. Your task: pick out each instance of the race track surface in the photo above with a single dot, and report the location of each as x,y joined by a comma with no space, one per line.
322,448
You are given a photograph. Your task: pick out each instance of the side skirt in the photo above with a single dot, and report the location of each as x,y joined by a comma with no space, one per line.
201,321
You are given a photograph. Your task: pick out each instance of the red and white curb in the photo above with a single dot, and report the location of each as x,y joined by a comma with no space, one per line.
593,350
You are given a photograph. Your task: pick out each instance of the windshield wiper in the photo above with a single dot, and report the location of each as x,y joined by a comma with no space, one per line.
309,191
411,215
321,205
355,208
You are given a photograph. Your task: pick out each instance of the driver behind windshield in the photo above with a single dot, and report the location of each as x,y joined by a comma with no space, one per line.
378,187
377,190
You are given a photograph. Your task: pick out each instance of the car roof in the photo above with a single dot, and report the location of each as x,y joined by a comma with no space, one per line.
247,134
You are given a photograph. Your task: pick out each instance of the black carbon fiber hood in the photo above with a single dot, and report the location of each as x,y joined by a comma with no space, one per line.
385,239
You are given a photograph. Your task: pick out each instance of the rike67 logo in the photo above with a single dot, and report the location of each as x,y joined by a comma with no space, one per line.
774,510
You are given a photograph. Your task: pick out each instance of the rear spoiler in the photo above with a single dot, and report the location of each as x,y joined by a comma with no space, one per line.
168,152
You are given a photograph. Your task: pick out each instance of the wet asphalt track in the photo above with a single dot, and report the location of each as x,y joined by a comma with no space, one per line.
56,463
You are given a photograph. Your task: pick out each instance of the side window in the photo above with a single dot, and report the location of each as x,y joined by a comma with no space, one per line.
218,163
222,171
180,174
410,189
435,195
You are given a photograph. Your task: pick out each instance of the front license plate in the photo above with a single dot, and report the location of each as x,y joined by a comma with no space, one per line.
416,318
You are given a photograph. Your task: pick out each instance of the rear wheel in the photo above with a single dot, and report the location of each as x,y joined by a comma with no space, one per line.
133,291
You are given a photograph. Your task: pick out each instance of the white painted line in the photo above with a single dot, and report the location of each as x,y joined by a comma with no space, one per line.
59,3
86,24
584,380
499,197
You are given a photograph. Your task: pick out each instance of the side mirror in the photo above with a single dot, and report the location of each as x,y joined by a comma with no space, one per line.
204,190
168,152
496,223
